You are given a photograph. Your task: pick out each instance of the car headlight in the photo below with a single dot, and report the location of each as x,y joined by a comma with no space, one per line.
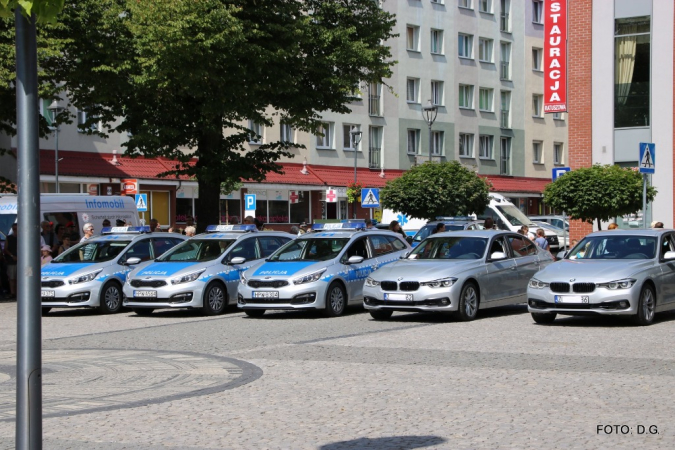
440,283
187,278
84,278
536,284
371,283
618,284
314,276
242,277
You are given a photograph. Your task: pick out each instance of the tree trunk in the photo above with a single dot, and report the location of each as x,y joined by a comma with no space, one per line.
207,206
599,225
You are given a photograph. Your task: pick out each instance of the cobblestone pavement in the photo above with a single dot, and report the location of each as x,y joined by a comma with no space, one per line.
178,380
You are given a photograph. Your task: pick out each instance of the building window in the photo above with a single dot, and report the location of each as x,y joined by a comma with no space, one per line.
466,96
485,99
537,54
465,145
537,102
485,146
505,119
324,135
465,46
437,42
485,50
413,142
558,116
465,4
413,38
46,112
537,11
287,133
440,2
485,6
437,143
632,63
505,156
257,132
412,90
82,118
348,138
437,93
537,157
375,149
505,67
557,153
375,99
504,22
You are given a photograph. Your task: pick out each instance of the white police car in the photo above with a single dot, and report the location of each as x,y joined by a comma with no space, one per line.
324,269
202,272
91,274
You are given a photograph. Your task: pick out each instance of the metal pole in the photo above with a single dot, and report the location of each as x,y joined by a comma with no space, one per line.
56,162
29,314
430,141
644,200
354,203
564,227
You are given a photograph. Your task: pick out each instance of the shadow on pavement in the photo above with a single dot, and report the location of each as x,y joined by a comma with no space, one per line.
390,442
598,321
438,317
305,314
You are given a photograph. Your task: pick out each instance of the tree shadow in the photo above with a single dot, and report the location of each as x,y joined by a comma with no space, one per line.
602,321
389,443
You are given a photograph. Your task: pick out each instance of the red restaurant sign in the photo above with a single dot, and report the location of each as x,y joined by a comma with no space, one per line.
555,56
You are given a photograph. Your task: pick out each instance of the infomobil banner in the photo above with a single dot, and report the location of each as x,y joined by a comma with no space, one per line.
555,56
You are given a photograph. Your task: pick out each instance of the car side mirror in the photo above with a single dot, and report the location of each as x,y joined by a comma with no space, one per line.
355,259
563,253
404,255
497,256
669,256
237,260
132,261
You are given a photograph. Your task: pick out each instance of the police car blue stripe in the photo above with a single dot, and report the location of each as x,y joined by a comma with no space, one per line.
164,269
63,269
282,268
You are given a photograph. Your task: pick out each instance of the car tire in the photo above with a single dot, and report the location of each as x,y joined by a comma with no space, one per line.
254,312
45,311
143,311
215,300
646,307
336,300
380,314
468,302
110,299
544,318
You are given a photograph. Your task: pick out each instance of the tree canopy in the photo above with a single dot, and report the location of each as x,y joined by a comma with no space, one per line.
176,74
599,192
437,189
44,10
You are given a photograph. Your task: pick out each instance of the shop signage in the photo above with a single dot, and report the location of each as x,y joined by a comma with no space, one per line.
129,187
331,196
555,56
294,197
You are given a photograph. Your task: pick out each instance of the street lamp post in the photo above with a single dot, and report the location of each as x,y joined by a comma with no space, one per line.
429,113
355,134
55,109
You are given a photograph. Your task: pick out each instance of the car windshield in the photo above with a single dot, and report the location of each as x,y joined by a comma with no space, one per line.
317,249
514,215
450,248
96,251
428,229
614,247
197,250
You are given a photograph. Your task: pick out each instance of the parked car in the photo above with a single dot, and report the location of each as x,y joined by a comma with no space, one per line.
557,221
461,271
618,272
563,236
451,224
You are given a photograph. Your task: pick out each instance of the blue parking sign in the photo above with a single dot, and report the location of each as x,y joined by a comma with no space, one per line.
249,201
559,171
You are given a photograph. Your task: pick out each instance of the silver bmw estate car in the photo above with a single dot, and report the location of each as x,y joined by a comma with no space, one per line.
618,272
458,271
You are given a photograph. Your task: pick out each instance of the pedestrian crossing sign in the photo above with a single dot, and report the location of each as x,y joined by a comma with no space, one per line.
370,198
647,157
142,202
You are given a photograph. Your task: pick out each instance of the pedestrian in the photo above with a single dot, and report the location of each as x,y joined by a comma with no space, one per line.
658,225
541,240
88,229
369,224
440,228
106,223
46,256
170,230
190,231
396,228
528,233
120,223
66,244
489,224
303,228
190,222
154,225
613,226
11,251
49,235
249,220
295,230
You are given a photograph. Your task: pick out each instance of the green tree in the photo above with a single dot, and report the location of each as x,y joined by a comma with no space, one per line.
436,189
599,192
181,76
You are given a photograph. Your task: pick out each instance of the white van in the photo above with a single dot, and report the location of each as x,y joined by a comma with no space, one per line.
76,208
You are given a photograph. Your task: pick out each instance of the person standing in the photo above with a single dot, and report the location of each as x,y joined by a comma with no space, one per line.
396,228
541,240
88,229
190,231
49,236
46,256
440,228
303,228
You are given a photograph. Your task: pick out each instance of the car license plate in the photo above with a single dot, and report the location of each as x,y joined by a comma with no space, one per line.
400,297
265,294
45,293
145,293
571,299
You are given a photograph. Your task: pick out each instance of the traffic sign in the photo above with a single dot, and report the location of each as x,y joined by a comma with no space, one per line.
142,202
647,157
370,198
249,201
331,196
559,171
